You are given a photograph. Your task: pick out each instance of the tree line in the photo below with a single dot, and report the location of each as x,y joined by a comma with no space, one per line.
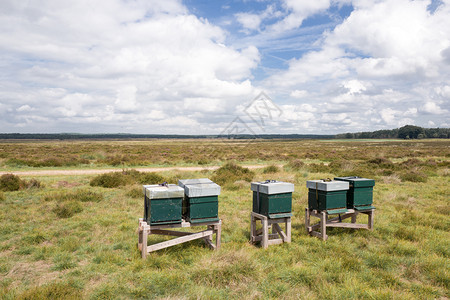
405,132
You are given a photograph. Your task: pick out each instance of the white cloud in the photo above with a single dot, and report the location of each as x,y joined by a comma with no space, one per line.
299,94
387,56
297,12
96,61
433,108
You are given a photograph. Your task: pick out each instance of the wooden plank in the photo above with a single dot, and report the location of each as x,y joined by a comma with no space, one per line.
252,227
278,229
169,232
218,229
307,219
316,234
274,242
315,226
258,238
265,233
209,242
288,230
347,225
145,231
277,221
183,224
323,225
179,240
261,217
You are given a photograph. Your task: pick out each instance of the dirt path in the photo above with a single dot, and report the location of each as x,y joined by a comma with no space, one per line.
102,171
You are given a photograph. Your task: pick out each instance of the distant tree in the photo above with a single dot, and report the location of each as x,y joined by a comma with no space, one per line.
409,132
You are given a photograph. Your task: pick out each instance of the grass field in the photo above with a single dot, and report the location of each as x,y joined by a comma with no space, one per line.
69,237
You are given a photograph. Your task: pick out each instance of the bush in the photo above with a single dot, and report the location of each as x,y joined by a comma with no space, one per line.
32,184
414,177
150,178
382,162
10,183
271,169
231,172
135,192
296,164
117,179
68,209
110,180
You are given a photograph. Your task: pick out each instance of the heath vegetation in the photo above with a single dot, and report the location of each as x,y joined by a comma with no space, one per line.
75,237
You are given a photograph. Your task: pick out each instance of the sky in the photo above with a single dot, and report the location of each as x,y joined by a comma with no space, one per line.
217,67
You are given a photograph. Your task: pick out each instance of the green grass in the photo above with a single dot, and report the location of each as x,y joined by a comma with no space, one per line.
70,240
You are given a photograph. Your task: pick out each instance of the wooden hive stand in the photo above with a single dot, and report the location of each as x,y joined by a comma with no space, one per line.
181,237
325,221
278,236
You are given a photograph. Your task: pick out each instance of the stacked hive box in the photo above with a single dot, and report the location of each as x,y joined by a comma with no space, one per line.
272,198
201,203
360,194
162,204
330,196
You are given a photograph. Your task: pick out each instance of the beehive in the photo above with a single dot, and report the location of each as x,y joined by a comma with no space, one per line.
360,194
201,202
327,195
272,198
162,204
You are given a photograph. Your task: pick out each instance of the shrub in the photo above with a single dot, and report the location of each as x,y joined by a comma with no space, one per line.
126,177
32,184
382,162
10,182
296,164
110,180
135,192
68,209
231,172
414,176
270,169
150,178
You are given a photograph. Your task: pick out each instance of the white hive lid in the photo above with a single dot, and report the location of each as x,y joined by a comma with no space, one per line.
156,191
327,186
202,189
272,187
183,182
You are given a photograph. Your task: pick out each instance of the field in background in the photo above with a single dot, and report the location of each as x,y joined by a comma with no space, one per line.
73,237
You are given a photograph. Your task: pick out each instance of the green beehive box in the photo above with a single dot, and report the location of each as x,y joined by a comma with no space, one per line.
360,194
162,204
201,201
330,196
272,198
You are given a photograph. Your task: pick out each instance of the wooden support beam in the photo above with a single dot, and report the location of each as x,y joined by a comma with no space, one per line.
274,242
209,242
179,240
347,225
288,230
323,225
280,232
169,232
265,233
258,238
